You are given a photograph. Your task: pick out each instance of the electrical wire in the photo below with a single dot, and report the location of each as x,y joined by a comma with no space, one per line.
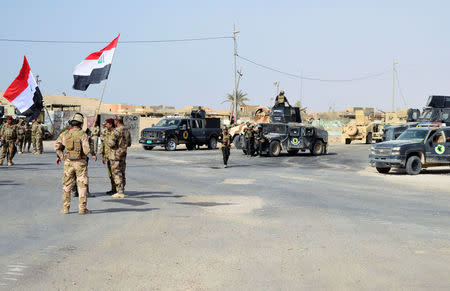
369,76
122,41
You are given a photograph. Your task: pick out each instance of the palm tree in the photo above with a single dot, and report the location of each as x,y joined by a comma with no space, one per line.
240,98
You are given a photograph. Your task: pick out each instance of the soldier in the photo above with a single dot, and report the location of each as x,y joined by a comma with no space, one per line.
72,146
281,99
118,143
8,135
20,135
260,140
107,133
249,140
27,138
95,132
37,133
226,144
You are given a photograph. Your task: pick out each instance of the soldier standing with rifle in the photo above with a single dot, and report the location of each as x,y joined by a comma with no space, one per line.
226,144
260,139
72,146
249,140
8,136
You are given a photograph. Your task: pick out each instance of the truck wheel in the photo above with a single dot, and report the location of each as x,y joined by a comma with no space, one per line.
190,146
274,148
348,141
237,141
212,144
383,170
292,152
317,148
413,165
148,148
171,144
369,138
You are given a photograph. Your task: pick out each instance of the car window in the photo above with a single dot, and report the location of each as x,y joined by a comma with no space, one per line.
438,137
447,135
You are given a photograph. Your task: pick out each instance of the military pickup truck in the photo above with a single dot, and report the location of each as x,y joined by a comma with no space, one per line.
195,130
416,148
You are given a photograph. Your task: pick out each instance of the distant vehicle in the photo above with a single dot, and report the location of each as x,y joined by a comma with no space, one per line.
414,149
192,131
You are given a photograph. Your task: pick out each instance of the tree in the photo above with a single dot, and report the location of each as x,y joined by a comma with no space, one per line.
240,98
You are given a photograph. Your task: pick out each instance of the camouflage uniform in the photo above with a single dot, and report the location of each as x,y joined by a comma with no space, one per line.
8,135
226,144
27,138
37,132
119,141
105,151
260,140
21,136
72,146
95,131
281,99
249,141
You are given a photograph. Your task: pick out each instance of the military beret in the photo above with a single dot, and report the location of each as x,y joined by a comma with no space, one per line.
10,117
109,120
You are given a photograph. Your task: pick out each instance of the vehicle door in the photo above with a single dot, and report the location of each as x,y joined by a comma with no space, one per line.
198,130
184,130
445,157
435,147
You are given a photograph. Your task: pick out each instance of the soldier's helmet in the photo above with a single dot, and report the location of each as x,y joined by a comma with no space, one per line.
281,93
77,117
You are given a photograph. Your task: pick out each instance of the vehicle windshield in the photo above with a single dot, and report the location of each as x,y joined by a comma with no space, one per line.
415,134
168,122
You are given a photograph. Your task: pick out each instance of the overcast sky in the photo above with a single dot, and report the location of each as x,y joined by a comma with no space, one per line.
319,39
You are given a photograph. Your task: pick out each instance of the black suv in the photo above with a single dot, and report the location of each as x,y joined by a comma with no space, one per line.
414,149
192,131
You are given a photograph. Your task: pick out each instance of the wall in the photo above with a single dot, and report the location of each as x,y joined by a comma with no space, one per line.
132,122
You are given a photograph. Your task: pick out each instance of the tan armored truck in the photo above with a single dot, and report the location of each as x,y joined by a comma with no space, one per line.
261,115
364,127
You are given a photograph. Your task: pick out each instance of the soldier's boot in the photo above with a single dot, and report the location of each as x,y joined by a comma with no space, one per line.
10,163
1,162
82,209
119,193
66,203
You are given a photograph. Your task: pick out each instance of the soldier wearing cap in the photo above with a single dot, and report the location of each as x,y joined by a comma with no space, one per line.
105,150
118,143
73,146
8,136
225,139
281,100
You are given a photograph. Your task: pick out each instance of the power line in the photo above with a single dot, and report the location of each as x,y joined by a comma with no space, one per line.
104,42
369,76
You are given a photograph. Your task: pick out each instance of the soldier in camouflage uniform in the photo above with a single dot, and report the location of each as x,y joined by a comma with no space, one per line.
260,140
37,134
27,138
20,135
107,133
281,100
8,136
95,132
225,139
72,146
118,143
249,140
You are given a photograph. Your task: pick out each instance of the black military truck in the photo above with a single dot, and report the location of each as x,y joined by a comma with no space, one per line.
286,132
437,110
194,130
416,148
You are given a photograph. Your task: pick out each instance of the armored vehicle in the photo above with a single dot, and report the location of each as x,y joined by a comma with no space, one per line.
286,132
416,148
262,114
362,127
194,130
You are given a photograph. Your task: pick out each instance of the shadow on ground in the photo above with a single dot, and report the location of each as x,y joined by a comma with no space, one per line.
204,204
112,210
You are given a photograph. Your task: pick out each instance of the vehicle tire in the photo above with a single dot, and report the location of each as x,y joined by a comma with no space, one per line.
274,148
348,141
292,152
212,144
147,148
383,170
317,148
171,144
237,141
413,165
369,138
190,146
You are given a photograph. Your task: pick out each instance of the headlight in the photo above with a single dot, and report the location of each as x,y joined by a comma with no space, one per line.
396,151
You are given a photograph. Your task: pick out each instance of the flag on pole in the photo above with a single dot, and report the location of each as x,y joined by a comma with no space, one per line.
24,93
95,68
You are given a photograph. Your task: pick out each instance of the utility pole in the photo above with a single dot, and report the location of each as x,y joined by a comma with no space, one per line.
393,84
235,32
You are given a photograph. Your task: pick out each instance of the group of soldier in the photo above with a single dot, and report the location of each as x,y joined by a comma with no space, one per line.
19,137
73,147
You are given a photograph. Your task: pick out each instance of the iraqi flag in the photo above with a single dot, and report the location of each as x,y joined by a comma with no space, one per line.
24,93
95,68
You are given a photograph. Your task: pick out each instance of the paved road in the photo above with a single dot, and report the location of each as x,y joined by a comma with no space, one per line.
284,223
